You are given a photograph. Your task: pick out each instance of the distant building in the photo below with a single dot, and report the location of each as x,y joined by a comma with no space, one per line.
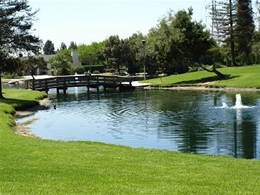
74,59
40,71
46,59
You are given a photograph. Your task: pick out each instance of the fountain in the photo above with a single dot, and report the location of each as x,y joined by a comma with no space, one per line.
237,105
239,102
224,105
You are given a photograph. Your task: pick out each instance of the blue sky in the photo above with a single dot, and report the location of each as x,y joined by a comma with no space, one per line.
86,21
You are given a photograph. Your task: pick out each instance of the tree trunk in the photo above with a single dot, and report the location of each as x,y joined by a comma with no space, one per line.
220,75
214,70
232,39
1,89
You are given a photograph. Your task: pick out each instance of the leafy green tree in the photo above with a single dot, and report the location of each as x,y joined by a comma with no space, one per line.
132,53
112,52
244,29
61,64
16,18
179,42
90,53
48,48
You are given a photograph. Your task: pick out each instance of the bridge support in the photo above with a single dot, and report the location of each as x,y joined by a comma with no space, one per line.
63,88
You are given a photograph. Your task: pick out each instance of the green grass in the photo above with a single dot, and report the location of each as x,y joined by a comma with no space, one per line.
34,166
240,77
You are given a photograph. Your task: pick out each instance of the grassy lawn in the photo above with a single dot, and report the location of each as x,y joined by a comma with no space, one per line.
34,166
241,77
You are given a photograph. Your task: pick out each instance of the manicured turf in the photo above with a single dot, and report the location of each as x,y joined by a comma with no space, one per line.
240,77
34,166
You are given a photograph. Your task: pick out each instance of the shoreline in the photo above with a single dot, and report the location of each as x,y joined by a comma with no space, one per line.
204,88
21,128
43,104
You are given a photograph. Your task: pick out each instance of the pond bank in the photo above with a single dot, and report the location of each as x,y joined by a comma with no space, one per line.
203,88
21,128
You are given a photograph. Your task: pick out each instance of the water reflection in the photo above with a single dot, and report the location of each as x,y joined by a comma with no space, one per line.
182,121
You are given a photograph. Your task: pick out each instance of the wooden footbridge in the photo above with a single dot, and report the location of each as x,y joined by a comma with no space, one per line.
90,81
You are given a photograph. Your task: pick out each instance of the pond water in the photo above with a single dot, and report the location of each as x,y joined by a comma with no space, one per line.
219,123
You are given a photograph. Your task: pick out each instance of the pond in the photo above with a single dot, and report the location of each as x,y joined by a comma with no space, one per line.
218,123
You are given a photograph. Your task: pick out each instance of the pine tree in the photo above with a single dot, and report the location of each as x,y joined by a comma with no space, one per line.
16,18
223,23
244,29
48,48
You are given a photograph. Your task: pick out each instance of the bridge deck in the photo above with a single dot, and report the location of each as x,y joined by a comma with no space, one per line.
90,81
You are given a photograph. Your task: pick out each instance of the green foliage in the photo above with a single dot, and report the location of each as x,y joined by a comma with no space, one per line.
86,68
80,69
256,48
12,65
60,63
244,29
48,48
179,42
15,23
134,53
63,46
30,166
73,45
90,54
112,52
15,32
31,64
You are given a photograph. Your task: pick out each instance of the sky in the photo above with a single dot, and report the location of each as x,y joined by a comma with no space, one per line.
87,21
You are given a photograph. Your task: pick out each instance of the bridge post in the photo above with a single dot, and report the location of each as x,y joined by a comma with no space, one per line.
64,86
46,86
97,84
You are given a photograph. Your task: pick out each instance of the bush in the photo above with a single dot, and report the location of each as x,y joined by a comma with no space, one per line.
86,68
79,69
63,71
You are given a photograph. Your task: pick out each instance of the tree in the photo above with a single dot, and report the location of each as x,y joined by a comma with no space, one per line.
111,52
63,46
73,45
223,23
244,29
31,64
256,47
90,53
61,63
16,19
258,14
179,42
48,48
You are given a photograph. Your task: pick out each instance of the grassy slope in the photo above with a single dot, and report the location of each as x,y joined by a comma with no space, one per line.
33,166
243,77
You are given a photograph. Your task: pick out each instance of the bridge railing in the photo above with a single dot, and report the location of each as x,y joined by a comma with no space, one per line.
44,84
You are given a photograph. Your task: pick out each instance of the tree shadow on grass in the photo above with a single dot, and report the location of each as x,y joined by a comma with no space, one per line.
205,80
20,104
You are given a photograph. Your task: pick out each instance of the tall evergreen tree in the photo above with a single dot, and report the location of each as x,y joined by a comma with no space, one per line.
48,48
224,21
63,46
244,29
16,18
